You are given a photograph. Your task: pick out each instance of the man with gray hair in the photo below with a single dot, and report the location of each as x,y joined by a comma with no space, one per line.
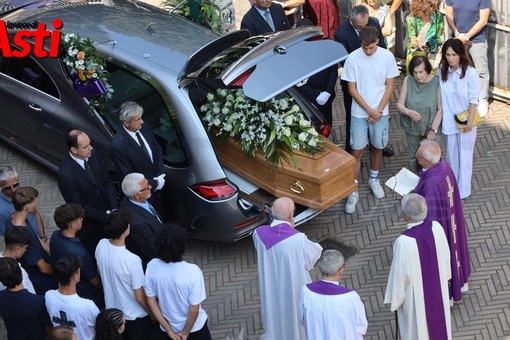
145,221
284,258
439,187
418,281
9,183
135,149
327,308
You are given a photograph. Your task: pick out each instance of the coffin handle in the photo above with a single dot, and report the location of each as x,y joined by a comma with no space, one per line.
297,187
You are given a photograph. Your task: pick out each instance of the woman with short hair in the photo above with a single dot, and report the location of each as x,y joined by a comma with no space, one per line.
420,107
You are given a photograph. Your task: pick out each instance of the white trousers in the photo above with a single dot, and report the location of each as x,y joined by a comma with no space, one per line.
459,153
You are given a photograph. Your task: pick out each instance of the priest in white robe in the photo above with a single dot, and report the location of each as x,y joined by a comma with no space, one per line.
326,309
418,281
284,256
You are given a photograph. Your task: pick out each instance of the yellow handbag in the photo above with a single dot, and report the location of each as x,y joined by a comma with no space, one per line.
462,118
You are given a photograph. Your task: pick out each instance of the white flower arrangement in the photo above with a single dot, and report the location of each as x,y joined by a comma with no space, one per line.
78,54
273,127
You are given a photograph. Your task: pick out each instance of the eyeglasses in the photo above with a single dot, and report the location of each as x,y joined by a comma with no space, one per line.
10,187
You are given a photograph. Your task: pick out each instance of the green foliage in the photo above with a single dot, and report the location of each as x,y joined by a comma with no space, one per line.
347,250
79,55
276,128
210,13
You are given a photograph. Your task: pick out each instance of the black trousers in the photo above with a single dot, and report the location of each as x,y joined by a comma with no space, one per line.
347,106
201,334
138,329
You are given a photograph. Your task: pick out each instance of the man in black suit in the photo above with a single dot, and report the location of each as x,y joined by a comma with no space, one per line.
348,35
83,179
263,17
135,149
320,87
145,221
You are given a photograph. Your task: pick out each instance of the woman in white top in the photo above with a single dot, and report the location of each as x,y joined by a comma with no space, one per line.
460,88
381,11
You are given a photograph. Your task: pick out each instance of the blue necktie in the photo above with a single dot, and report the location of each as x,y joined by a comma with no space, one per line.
269,19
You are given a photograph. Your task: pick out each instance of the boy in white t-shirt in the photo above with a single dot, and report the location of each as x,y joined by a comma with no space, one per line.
370,73
64,305
175,289
122,276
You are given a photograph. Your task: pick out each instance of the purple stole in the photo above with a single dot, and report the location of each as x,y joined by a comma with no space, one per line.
270,236
434,308
327,288
439,187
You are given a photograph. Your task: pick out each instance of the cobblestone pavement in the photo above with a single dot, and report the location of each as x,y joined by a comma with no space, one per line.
230,270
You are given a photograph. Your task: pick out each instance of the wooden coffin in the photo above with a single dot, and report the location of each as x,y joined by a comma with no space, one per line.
318,182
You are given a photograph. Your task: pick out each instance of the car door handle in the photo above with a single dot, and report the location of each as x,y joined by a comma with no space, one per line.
35,107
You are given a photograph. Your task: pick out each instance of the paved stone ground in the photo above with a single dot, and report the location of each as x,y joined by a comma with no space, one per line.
230,270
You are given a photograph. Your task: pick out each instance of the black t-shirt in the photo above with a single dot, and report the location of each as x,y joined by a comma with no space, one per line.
24,314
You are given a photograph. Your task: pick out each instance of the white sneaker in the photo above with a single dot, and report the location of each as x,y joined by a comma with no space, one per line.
377,190
483,107
352,200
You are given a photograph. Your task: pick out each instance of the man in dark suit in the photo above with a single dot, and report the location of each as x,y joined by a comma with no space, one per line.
263,17
135,149
83,179
145,221
348,35
320,87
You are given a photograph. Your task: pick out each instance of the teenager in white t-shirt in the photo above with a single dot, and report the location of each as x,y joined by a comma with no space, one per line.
122,275
370,72
175,289
64,305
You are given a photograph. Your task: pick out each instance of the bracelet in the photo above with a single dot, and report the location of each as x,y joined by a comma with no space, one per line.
44,237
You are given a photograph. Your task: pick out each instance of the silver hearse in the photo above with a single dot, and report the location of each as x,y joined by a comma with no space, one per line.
157,59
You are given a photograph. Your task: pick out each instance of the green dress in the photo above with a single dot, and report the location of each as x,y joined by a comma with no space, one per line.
423,99
434,38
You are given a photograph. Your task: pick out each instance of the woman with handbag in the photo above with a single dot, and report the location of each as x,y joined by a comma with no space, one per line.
460,89
425,31
420,107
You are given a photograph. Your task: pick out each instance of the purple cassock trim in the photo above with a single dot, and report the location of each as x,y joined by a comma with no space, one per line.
327,288
440,189
272,235
434,308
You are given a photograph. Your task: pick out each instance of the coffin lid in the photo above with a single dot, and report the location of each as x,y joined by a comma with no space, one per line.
264,65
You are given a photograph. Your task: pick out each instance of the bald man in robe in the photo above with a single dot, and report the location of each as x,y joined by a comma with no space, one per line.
284,256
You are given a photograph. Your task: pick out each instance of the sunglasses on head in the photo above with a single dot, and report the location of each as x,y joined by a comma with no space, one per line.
10,187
